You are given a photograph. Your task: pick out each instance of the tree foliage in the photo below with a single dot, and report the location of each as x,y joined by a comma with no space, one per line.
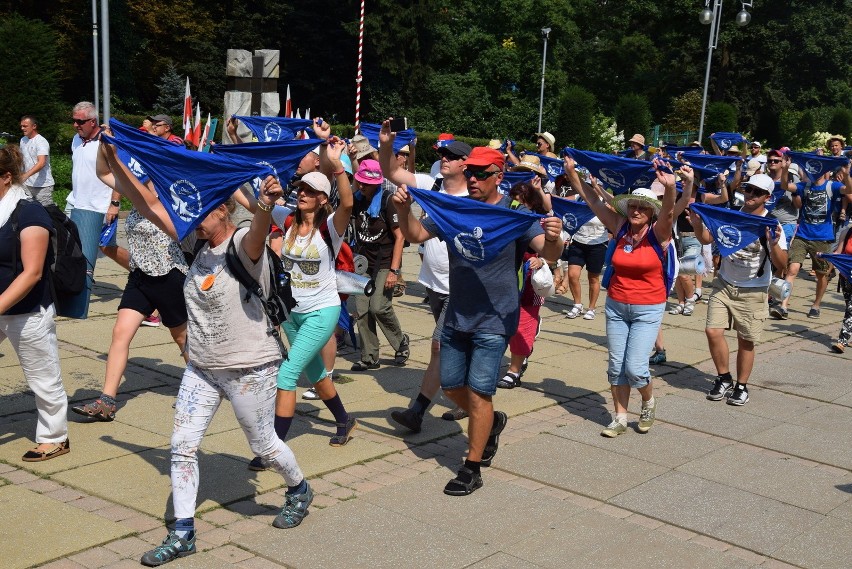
633,114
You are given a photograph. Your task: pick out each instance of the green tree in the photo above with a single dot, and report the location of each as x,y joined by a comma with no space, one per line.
841,123
805,128
172,90
684,113
577,108
29,83
721,117
633,115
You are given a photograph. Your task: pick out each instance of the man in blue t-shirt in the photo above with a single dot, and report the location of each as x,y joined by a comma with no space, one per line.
814,235
482,314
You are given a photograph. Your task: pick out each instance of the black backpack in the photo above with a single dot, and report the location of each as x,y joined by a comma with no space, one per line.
280,301
67,271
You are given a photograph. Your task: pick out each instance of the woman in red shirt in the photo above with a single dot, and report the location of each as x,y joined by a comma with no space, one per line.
636,297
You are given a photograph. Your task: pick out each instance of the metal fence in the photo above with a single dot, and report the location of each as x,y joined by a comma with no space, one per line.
658,137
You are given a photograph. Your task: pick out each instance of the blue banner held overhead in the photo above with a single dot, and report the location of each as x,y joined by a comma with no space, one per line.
512,178
614,172
473,230
371,131
815,165
732,230
190,184
725,140
554,167
282,157
270,129
573,214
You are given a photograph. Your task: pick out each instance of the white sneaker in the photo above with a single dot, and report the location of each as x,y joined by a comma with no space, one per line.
589,315
311,394
574,311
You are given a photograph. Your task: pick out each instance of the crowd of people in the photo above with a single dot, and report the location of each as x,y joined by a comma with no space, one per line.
479,285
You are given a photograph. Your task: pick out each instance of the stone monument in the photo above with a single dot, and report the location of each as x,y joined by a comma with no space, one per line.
252,87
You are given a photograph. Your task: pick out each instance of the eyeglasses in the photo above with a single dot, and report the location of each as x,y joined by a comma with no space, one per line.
480,174
540,143
776,161
402,155
81,122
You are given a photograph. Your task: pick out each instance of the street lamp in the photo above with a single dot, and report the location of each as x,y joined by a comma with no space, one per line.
713,16
545,33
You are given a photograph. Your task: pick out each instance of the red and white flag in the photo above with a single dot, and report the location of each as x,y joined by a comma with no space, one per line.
187,113
205,134
196,131
288,106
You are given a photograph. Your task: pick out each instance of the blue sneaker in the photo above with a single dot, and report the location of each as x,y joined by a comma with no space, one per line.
171,548
295,509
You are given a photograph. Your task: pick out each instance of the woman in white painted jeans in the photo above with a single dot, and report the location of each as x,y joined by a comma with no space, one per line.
231,356
26,308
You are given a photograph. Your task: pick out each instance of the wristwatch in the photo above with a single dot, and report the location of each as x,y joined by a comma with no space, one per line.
115,203
397,272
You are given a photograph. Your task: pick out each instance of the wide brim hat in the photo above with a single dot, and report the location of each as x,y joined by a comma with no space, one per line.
531,163
638,139
551,140
644,195
362,146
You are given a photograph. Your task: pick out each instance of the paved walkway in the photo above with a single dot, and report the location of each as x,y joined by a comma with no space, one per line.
711,485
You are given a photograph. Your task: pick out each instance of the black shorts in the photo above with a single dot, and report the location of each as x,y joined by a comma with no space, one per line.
145,293
589,256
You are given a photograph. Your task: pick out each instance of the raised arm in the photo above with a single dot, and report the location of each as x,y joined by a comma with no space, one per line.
611,219
665,219
332,151
255,240
390,168
411,228
688,177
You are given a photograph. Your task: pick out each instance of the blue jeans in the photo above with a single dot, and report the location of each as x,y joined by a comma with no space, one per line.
471,359
89,224
631,330
307,334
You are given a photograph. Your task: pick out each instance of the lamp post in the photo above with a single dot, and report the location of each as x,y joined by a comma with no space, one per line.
713,16
545,33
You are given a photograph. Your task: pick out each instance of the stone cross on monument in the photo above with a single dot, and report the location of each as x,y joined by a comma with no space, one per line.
252,87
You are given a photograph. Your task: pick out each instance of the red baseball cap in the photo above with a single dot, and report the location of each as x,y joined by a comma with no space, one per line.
483,156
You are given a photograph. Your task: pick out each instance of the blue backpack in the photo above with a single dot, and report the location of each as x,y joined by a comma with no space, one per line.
668,258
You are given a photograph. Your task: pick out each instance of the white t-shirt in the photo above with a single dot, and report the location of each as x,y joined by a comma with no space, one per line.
311,268
32,148
223,331
87,191
435,268
741,268
592,232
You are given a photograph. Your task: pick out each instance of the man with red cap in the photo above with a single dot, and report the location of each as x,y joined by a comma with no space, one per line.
482,314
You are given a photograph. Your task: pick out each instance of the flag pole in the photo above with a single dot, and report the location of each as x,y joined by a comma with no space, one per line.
359,76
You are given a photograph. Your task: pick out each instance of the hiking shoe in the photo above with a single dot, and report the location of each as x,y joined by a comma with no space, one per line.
258,464
614,429
172,548
500,420
152,321
721,389
410,419
838,348
646,416
574,311
658,357
97,410
813,313
779,313
401,355
589,315
739,395
311,394
456,414
295,509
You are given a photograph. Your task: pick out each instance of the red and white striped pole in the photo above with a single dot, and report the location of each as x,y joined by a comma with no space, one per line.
359,77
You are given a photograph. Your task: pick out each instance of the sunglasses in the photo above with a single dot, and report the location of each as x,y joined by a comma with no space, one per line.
371,174
756,191
81,122
480,174
450,156
776,161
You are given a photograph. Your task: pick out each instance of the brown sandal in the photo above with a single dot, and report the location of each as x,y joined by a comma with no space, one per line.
97,410
41,455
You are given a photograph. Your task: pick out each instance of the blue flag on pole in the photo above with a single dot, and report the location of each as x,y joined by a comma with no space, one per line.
615,172
473,231
512,178
732,230
189,184
282,157
371,131
725,140
555,167
270,129
816,165
573,214
843,263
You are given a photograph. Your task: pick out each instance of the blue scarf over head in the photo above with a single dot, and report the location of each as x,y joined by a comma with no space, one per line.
617,173
732,230
282,157
725,140
271,129
371,132
573,214
815,165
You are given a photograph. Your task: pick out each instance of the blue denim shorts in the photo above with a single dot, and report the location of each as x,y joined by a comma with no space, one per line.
471,359
631,330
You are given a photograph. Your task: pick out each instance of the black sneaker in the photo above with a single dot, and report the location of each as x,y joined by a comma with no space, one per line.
171,548
401,355
295,509
500,420
410,419
721,389
739,395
